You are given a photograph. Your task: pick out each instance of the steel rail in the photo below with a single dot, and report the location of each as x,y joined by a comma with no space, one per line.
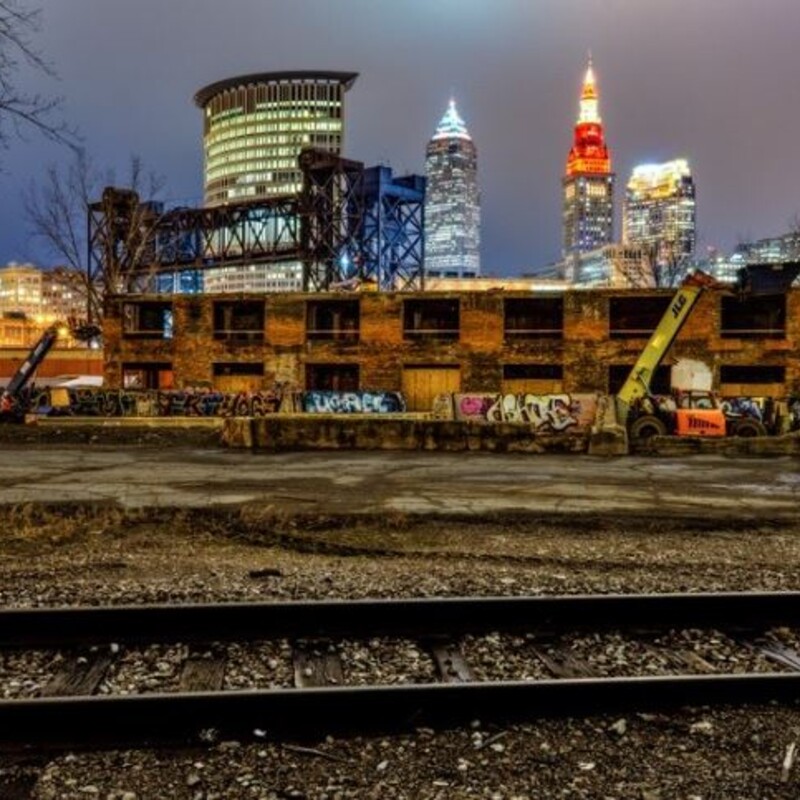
155,718
419,618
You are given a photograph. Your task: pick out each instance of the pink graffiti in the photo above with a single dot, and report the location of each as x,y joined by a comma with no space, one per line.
474,406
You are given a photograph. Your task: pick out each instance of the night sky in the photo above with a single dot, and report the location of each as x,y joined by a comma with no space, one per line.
715,81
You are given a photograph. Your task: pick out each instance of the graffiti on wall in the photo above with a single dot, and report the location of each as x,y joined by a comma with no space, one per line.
331,402
94,402
744,407
779,416
554,413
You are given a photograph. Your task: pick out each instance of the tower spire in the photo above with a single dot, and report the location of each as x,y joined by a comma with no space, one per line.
589,111
588,181
451,126
589,153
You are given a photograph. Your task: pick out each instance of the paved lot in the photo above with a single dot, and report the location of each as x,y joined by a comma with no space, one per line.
463,483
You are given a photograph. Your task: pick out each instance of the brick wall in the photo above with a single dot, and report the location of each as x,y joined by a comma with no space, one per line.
585,350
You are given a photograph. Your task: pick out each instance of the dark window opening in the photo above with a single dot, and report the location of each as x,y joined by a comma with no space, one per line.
333,320
239,322
332,377
521,372
534,318
238,368
761,317
147,375
752,374
618,374
147,320
632,317
431,319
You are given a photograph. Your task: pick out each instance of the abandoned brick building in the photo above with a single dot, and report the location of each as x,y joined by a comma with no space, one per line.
425,343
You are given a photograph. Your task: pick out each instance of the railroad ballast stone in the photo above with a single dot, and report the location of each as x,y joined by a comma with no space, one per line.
194,558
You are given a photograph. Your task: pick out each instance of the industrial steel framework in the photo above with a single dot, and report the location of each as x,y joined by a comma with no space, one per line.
393,231
332,213
361,224
189,238
348,224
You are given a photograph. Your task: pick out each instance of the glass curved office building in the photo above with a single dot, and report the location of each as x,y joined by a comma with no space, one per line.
254,127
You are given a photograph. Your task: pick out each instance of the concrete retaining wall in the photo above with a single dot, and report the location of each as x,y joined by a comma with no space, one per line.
335,432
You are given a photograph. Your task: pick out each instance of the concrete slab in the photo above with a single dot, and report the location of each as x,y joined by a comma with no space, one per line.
382,482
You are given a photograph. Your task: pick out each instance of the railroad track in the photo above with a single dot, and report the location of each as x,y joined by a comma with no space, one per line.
681,649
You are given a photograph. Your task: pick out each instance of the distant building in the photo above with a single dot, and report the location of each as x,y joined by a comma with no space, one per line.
285,276
254,127
31,299
725,268
42,296
659,211
531,283
21,290
614,265
452,204
772,250
588,184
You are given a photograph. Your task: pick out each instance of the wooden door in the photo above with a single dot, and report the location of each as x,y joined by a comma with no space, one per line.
422,383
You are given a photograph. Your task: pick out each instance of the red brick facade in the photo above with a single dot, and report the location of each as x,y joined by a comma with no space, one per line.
578,341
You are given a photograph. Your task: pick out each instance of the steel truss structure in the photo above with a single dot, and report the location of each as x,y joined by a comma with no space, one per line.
392,232
332,215
361,224
348,224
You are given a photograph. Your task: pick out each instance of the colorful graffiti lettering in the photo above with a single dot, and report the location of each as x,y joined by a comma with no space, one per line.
550,412
93,402
331,402
743,407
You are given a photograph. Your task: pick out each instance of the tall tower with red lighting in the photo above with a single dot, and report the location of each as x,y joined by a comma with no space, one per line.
588,211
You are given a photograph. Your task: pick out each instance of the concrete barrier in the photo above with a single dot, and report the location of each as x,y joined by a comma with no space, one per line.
356,432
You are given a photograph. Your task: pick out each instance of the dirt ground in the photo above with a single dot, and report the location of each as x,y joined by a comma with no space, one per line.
80,554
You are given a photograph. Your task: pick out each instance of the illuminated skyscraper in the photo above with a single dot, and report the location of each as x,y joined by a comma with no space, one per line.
452,201
588,211
255,126
660,210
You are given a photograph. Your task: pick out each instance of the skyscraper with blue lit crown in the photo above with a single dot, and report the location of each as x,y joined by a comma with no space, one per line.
452,202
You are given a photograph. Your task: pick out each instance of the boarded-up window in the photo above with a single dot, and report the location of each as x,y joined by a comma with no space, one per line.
147,375
534,318
238,376
532,378
760,317
423,382
332,377
618,374
239,321
752,381
631,317
431,319
332,320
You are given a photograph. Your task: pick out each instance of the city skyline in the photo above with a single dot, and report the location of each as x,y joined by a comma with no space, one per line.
661,97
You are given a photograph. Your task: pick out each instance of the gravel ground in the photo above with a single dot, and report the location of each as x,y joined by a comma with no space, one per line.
95,556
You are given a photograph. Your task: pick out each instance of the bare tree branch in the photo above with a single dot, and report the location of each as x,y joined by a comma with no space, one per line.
19,111
58,211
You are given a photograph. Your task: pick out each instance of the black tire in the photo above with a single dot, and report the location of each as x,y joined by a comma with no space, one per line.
647,426
749,427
